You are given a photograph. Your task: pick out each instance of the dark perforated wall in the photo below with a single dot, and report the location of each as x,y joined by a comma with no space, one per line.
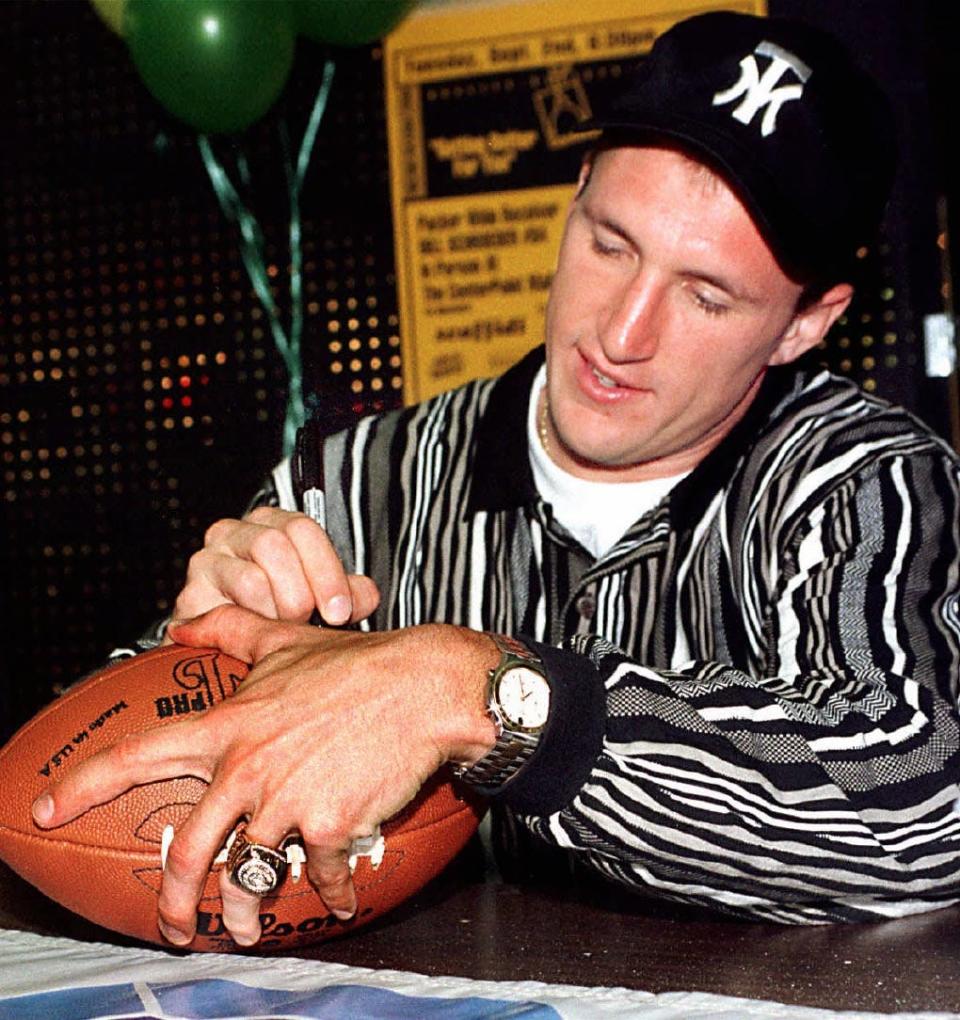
141,394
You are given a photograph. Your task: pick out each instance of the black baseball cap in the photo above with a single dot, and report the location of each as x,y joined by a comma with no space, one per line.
781,111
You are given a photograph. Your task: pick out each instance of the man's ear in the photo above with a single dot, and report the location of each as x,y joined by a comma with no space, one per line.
808,327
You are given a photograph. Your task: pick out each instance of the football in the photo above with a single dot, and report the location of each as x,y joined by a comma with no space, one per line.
106,864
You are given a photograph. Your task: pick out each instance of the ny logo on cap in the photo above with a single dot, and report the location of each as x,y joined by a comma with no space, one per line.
766,92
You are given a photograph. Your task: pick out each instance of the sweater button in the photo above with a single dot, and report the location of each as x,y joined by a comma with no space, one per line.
587,606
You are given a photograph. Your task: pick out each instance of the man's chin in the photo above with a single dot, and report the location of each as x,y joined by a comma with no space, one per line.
600,460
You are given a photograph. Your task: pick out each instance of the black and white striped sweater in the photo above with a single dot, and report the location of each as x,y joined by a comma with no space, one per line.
755,690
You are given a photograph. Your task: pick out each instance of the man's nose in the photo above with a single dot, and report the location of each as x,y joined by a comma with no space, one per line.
631,331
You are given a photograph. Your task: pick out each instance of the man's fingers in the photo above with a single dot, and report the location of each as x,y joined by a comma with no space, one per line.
218,578
241,911
220,582
132,761
329,871
256,561
365,595
278,563
239,632
332,593
189,859
319,562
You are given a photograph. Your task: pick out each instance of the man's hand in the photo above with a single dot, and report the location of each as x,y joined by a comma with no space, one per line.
331,733
278,563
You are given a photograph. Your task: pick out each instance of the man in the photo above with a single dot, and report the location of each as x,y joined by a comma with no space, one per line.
736,583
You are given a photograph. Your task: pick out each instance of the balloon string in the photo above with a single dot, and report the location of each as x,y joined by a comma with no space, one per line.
295,187
253,253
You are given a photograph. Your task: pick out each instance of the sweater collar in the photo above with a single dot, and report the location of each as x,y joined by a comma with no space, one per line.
692,494
502,477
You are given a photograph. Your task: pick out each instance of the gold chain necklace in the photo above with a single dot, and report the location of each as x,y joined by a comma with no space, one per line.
542,422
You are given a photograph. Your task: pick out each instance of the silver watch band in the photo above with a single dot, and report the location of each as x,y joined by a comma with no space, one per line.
501,763
513,748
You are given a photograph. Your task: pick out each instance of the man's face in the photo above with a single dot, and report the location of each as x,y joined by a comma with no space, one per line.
665,310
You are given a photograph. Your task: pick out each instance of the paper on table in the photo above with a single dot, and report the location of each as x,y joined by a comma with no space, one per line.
43,977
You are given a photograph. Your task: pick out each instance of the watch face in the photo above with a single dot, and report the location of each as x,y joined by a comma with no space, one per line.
524,697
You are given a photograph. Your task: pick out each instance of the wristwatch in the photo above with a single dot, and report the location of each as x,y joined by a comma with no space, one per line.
518,701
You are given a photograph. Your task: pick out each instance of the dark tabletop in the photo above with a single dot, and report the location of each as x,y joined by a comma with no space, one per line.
468,924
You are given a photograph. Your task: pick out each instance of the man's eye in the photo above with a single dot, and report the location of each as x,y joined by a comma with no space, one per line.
706,305
602,248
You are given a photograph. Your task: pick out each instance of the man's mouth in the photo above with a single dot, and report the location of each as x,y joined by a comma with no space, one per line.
604,380
600,387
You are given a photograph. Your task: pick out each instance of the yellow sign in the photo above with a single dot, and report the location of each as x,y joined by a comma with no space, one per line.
487,108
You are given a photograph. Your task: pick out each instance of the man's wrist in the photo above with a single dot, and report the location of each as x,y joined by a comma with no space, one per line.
464,731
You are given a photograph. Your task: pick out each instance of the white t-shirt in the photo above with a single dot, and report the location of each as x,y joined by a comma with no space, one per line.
596,513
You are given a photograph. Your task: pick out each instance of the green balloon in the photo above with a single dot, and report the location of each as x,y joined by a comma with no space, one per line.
348,22
216,64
